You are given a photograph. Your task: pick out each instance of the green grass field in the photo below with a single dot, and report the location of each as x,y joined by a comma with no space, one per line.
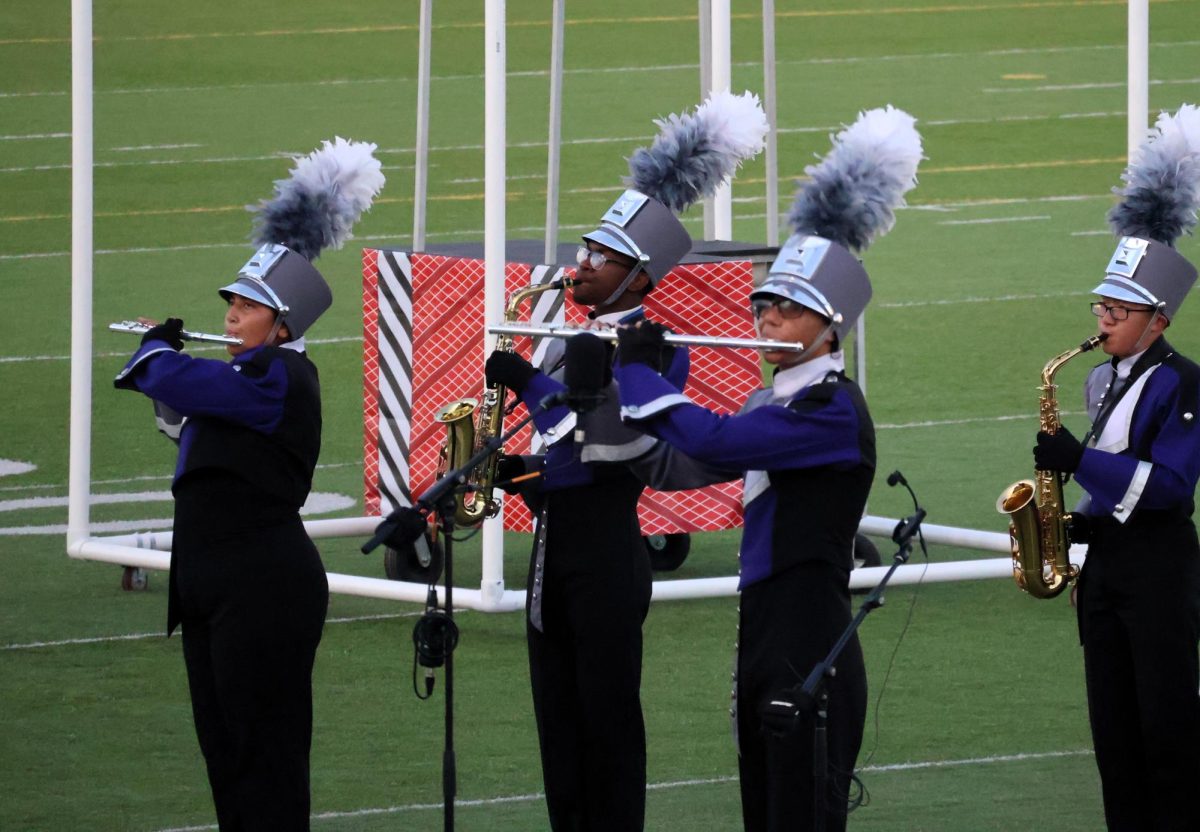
982,725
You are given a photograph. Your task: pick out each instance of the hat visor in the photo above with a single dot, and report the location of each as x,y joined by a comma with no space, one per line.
609,240
796,290
246,290
1125,290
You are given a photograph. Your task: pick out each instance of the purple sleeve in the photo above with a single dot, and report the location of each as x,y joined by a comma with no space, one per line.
771,437
208,387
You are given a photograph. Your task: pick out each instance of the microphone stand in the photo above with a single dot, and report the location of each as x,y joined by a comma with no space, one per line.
440,498
813,695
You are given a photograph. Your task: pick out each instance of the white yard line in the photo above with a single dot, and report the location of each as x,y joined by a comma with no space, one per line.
534,797
992,220
538,143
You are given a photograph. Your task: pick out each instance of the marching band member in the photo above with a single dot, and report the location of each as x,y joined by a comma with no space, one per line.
246,582
807,447
589,577
1138,595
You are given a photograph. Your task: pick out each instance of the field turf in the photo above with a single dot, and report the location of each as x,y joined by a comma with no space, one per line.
982,722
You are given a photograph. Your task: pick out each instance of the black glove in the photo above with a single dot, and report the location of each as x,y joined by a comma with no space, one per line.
508,370
1057,451
508,467
168,331
644,344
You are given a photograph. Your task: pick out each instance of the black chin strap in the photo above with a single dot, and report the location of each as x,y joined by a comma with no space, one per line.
620,290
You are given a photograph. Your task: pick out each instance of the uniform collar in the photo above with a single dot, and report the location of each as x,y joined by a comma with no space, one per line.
789,382
1135,364
611,319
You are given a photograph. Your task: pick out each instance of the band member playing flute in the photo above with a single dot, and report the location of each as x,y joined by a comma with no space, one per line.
806,445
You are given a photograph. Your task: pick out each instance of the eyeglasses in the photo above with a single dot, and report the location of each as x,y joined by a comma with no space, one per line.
1118,313
788,308
595,259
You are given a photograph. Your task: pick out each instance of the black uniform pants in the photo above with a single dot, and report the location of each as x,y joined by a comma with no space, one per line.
252,602
1139,620
585,664
788,624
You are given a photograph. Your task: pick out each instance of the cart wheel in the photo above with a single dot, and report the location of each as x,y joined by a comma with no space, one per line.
866,553
134,579
418,564
667,551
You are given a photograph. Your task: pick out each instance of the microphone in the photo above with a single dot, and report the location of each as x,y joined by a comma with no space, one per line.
584,372
896,477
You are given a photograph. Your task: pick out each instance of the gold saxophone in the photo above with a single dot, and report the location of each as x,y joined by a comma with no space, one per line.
1038,519
470,425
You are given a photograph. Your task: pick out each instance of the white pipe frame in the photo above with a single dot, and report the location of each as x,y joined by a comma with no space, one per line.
769,105
722,78
151,550
554,149
79,477
1138,88
421,161
494,236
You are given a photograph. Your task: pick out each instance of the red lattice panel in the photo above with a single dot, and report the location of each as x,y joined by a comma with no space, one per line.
370,307
448,358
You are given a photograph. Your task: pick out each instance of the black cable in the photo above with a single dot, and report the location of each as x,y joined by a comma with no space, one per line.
893,479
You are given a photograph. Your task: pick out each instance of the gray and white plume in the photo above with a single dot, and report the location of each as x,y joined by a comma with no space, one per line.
1162,183
695,152
854,191
316,207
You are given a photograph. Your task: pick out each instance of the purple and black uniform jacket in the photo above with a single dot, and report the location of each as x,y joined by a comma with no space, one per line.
257,417
577,441
807,447
1145,456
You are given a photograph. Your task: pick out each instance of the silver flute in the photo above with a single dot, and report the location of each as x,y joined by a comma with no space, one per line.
715,341
136,328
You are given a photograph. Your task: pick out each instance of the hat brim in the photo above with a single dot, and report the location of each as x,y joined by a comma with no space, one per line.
609,240
246,290
1110,288
799,291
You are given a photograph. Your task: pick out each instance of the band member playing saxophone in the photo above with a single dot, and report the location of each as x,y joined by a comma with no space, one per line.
1138,593
589,577
807,447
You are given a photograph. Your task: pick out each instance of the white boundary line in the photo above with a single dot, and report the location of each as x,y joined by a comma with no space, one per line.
1108,85
541,73
539,143
674,784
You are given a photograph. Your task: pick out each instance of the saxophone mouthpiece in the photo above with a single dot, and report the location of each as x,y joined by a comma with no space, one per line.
1093,342
565,283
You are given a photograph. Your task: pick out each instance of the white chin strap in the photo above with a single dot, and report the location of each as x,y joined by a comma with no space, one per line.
1137,347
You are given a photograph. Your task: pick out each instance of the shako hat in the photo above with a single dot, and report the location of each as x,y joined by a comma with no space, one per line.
691,156
848,202
1158,205
280,278
314,209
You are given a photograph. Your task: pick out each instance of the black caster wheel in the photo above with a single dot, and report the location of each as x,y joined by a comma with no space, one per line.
866,553
419,564
667,551
134,579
